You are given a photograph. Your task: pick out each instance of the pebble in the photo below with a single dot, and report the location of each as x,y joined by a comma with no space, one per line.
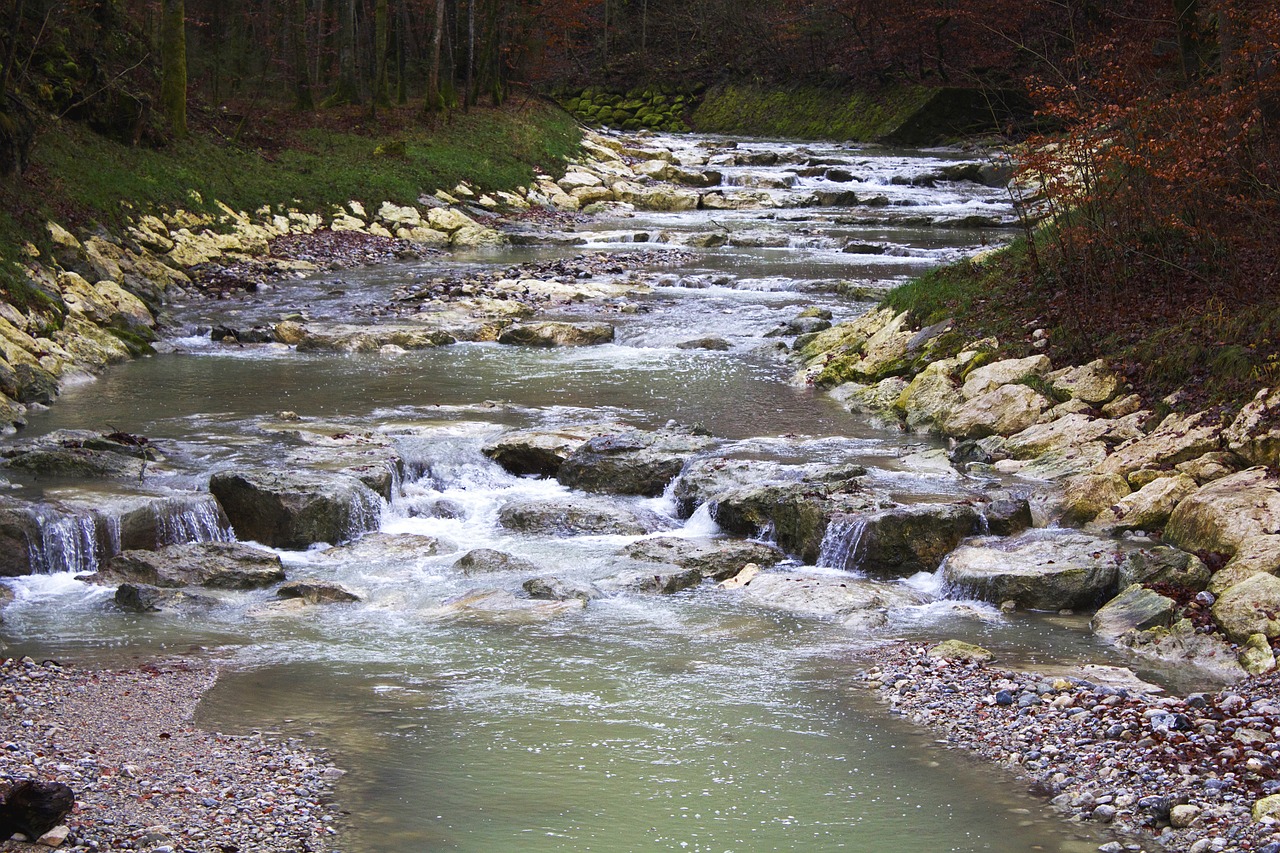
145,777
1185,771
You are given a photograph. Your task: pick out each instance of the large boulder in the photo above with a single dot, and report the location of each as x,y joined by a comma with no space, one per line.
1255,433
819,594
1148,508
1256,555
84,454
1003,411
1094,383
144,598
991,376
480,561
1085,496
1220,516
551,588
1136,608
1040,570
898,542
1165,566
541,451
214,565
705,478
633,462
296,509
554,334
712,558
794,515
931,396
1177,439
578,516
1250,607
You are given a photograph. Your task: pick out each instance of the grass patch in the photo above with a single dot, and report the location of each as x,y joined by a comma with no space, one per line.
314,161
807,112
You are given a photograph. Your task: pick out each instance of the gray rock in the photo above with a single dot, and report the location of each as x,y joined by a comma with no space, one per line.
295,509
541,451
794,515
899,542
82,454
713,558
215,565
716,344
1007,516
1136,608
552,334
313,592
1039,570
486,560
1164,565
385,547
500,606
557,589
817,594
144,598
578,516
633,462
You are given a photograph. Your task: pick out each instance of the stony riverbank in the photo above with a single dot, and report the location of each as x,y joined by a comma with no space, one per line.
145,777
1197,773
1122,470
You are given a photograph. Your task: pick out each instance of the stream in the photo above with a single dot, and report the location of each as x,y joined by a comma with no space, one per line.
681,722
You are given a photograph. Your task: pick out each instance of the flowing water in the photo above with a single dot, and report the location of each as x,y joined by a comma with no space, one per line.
684,722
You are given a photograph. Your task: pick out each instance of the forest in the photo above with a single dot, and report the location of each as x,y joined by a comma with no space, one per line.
1153,149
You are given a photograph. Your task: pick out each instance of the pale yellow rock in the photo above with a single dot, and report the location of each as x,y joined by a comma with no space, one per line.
626,191
1177,439
1250,607
89,345
1093,383
958,650
377,229
1071,430
1256,656
1006,410
124,303
1257,555
591,195
1221,515
1210,467
82,299
1254,434
290,332
399,217
666,198
424,235
1122,406
104,259
564,202
462,190
357,209
1148,508
448,220
1267,807
931,396
574,179
993,375
742,578
1085,496
476,236
346,222
445,197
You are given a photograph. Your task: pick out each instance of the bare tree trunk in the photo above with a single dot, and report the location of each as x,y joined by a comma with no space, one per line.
605,63
11,48
348,89
469,95
173,66
303,99
381,86
434,102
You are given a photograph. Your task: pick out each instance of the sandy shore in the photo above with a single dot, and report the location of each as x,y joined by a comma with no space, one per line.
1157,771
145,777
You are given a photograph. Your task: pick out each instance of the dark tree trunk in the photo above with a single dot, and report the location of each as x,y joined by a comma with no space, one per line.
173,66
303,99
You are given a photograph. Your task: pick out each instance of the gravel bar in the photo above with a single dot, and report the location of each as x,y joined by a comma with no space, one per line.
1159,772
145,778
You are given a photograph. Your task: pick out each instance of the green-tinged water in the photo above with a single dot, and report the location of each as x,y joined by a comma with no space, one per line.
696,721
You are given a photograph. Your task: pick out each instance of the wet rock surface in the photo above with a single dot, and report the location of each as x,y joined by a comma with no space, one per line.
215,565
294,509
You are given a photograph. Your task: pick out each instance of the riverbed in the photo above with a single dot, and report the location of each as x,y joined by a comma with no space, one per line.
693,721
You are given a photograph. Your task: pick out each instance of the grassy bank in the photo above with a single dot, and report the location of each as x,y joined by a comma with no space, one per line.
806,112
1215,350
308,161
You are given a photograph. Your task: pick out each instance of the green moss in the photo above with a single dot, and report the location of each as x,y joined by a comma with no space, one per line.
135,343
807,112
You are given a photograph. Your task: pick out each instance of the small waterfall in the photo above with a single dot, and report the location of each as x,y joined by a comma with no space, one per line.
365,516
844,543
69,542
195,519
